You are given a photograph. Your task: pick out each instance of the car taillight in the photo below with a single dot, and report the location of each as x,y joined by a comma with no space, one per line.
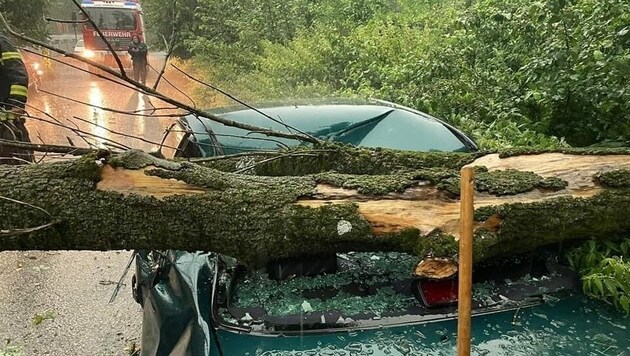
436,293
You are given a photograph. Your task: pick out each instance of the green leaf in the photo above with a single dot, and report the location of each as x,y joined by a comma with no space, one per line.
624,301
611,286
536,95
612,246
599,285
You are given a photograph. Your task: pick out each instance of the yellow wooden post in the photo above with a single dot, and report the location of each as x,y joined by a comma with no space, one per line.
465,262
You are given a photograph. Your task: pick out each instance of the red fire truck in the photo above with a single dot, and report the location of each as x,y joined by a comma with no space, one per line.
119,21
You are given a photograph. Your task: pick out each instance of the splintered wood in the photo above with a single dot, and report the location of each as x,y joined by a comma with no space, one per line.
425,208
128,181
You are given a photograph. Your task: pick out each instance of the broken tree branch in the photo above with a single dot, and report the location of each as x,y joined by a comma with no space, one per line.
115,111
139,138
49,19
75,151
289,127
25,231
404,201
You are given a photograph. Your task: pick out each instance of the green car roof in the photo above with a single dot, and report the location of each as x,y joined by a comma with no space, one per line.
367,125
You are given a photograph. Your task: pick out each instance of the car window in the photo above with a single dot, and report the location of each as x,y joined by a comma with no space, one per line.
405,131
367,126
112,19
366,286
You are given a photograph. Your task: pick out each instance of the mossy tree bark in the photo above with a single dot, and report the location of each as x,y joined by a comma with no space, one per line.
404,201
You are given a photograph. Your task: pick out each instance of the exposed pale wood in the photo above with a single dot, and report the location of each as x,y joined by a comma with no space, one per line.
578,170
127,181
425,208
391,215
436,268
464,299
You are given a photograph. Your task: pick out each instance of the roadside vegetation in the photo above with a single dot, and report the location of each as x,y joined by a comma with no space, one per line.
546,73
511,73
605,273
28,16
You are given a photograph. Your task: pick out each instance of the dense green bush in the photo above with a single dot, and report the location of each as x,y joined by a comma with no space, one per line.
558,70
512,71
604,272
27,17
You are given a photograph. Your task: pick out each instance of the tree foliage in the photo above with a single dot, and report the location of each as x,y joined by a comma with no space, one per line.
605,274
61,9
27,17
166,18
533,69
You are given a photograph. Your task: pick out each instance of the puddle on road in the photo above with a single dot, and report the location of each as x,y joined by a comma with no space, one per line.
97,126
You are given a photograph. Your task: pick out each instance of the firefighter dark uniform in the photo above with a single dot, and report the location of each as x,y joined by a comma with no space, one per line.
13,95
138,51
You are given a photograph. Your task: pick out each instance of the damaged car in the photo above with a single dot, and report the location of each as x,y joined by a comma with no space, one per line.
354,303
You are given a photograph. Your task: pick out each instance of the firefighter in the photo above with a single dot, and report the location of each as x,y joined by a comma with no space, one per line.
138,51
13,95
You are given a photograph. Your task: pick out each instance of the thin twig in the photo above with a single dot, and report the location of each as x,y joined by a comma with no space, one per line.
218,148
65,21
260,153
75,151
116,111
69,128
148,99
155,109
166,132
192,101
280,156
289,127
81,59
122,134
280,143
77,131
22,160
122,278
169,48
30,230
55,122
39,136
26,204
235,155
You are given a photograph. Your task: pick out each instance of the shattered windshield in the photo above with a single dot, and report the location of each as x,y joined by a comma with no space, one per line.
372,288
365,283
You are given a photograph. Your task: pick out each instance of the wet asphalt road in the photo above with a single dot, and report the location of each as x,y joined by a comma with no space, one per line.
70,290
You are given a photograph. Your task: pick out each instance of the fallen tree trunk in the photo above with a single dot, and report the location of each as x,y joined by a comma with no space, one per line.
135,201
